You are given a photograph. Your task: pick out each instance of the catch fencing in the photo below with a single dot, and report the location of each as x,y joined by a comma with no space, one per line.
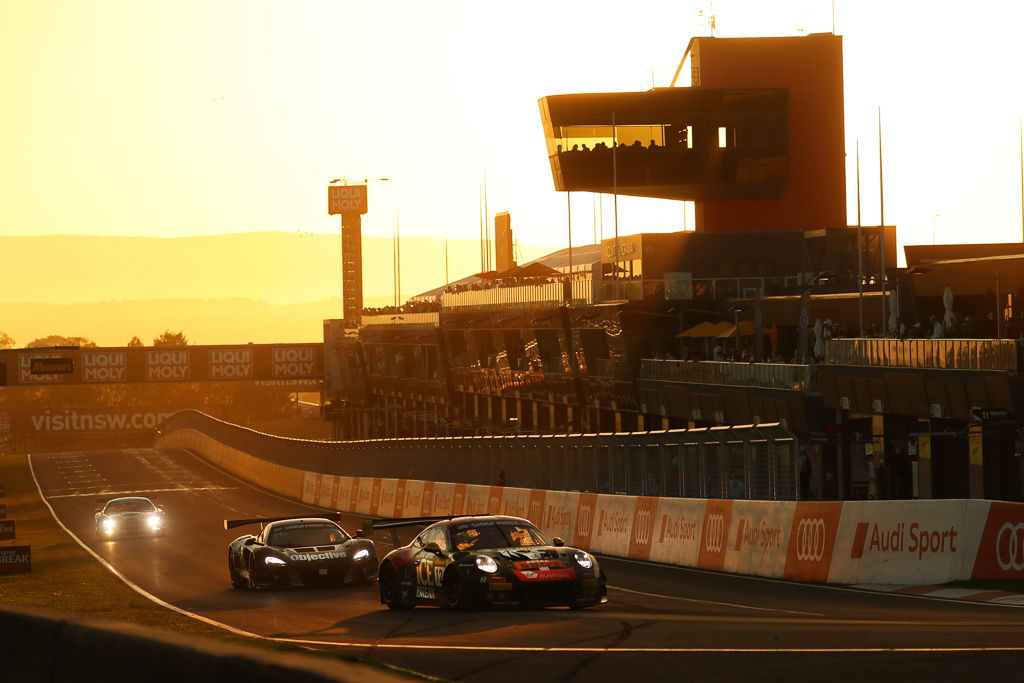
753,462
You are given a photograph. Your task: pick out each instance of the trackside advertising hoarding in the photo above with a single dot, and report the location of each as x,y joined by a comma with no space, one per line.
261,362
86,420
911,542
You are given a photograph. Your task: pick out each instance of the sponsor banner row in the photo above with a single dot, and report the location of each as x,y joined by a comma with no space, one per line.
267,362
928,541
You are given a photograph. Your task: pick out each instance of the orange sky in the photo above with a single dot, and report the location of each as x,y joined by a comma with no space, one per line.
197,117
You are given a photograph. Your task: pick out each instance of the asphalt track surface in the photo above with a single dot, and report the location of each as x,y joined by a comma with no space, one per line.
660,623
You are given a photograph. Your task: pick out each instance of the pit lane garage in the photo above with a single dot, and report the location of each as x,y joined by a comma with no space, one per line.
299,551
484,561
129,516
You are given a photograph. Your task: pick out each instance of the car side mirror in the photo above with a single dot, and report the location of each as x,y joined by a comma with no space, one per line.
99,510
360,533
249,541
433,548
557,540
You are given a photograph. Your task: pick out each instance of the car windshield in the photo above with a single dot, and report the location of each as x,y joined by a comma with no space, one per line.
300,535
116,507
490,535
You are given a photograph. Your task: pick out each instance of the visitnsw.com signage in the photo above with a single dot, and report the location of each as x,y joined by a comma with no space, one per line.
265,362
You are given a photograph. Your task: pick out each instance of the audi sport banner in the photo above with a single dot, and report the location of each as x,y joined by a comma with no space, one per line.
262,362
15,559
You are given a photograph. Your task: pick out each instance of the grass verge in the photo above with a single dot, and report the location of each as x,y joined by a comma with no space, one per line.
65,578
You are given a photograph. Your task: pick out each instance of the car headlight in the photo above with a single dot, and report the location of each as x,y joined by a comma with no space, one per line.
486,564
108,525
582,559
154,522
270,559
361,554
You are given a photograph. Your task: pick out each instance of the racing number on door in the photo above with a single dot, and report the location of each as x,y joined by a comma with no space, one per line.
430,571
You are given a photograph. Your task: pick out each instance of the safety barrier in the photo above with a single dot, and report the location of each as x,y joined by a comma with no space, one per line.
753,461
48,647
928,541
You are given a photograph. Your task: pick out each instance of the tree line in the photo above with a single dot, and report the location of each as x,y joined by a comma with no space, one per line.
165,338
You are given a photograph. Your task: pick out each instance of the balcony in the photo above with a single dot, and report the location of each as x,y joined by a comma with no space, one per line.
428,319
947,354
523,296
766,375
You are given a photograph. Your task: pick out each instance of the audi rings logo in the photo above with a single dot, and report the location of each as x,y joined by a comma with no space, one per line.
643,527
1010,553
714,533
810,540
584,520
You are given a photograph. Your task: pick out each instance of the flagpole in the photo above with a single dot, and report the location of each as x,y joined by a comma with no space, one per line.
881,221
615,191
860,252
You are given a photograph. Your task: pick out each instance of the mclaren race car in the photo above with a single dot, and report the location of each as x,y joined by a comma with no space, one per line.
485,561
129,516
299,551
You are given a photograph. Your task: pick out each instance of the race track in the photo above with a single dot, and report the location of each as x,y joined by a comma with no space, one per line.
660,623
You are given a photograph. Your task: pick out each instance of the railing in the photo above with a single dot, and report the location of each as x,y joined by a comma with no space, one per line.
948,354
697,289
769,375
608,368
422,319
752,462
523,296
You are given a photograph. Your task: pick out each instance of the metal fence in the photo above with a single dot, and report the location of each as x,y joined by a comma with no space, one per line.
773,375
958,354
748,462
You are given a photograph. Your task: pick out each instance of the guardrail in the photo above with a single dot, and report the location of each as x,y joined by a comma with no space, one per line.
769,375
748,462
948,354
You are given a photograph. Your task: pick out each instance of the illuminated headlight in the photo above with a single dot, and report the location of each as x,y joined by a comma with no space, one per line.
361,554
154,522
270,559
582,559
486,564
108,526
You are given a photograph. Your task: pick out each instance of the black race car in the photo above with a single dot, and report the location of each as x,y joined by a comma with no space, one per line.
485,561
299,551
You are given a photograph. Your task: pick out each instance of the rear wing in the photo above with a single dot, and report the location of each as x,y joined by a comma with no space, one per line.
232,523
396,523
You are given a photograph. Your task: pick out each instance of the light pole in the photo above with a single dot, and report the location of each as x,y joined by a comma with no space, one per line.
921,270
736,310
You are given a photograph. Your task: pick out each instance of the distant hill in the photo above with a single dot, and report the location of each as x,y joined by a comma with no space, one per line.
278,267
260,287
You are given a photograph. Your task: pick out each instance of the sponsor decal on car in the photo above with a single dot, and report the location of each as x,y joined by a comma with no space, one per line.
545,574
310,557
539,564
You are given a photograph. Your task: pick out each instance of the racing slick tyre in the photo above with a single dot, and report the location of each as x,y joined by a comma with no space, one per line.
236,580
453,590
251,581
391,590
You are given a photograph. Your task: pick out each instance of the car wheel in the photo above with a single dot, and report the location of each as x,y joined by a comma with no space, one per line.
251,582
236,580
454,591
391,591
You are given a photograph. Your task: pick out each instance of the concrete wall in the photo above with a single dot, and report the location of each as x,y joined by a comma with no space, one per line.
908,541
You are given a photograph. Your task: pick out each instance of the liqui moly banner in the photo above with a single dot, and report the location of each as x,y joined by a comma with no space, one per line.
25,374
168,364
104,366
294,362
231,364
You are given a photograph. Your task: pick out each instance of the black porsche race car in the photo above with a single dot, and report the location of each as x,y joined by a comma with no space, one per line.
299,551
485,561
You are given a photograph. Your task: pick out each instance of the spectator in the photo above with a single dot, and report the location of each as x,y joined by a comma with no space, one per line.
938,332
